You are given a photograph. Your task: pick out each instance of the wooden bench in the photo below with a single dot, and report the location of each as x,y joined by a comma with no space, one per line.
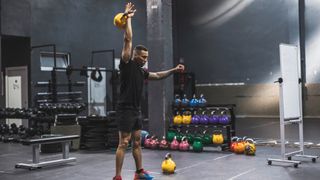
65,140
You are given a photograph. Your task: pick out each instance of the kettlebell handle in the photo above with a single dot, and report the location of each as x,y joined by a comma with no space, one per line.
183,138
168,155
250,140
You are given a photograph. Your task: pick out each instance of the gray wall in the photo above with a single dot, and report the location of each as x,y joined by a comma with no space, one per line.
312,41
16,17
78,27
257,109
15,21
234,41
221,41
75,26
1,76
1,81
237,41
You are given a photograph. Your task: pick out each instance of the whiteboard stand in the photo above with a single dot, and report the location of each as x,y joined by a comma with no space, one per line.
290,105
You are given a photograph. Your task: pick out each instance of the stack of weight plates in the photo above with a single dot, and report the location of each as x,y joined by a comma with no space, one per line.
112,132
93,133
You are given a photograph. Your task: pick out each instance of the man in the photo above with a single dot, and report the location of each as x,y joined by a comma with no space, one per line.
132,76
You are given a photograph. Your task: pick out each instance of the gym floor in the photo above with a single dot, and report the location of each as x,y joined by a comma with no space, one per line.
211,164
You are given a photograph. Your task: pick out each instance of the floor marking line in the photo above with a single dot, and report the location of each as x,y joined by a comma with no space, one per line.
10,154
204,162
246,172
151,172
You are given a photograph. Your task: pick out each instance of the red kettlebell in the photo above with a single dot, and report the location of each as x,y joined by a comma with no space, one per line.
184,145
147,141
163,143
154,143
174,144
233,143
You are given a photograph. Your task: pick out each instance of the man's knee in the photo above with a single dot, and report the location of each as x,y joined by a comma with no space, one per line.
136,143
123,144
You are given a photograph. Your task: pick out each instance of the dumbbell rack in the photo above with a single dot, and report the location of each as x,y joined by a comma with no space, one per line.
229,128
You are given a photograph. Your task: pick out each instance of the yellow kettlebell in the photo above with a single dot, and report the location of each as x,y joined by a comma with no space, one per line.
186,117
120,20
168,165
217,138
250,147
177,119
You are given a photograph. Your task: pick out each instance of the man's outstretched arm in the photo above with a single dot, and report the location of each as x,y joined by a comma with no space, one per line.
127,44
163,74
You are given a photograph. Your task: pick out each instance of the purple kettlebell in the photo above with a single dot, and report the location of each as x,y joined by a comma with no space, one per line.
213,119
195,119
224,119
204,119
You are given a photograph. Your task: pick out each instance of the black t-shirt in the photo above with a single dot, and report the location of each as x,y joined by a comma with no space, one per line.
132,77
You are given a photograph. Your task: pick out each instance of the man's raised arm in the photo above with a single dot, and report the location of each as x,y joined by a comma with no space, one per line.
127,44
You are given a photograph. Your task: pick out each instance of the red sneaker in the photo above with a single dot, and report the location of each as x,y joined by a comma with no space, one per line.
143,175
117,178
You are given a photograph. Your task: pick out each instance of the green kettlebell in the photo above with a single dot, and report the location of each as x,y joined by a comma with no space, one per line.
190,137
197,145
206,139
170,135
179,136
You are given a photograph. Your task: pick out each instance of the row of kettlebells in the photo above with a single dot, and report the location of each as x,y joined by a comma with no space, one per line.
238,145
154,143
185,102
213,118
243,146
206,138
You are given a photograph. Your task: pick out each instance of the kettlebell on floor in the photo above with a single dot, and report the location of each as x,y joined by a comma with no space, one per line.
168,165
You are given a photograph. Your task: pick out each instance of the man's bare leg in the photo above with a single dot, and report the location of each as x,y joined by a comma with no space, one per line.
136,150
124,139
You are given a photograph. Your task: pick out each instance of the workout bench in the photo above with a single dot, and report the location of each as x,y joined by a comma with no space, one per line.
65,140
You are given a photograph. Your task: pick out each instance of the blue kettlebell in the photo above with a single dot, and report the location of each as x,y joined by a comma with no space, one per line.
177,100
194,101
184,101
202,101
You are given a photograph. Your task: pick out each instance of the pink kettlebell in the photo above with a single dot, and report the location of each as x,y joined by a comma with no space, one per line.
174,144
184,145
154,143
163,143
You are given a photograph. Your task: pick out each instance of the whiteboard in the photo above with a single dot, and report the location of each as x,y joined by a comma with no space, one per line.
290,73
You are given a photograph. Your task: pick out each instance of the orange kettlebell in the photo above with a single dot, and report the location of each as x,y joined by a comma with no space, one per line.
239,146
120,20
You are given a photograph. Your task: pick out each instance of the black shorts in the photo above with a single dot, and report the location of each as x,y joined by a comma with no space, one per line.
129,120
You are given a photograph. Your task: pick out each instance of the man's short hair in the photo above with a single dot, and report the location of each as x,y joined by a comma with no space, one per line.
140,48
